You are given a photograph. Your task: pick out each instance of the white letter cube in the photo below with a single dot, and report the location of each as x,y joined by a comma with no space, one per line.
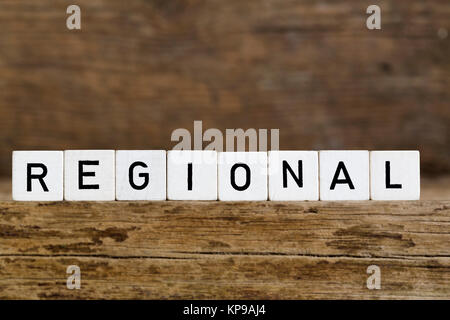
395,175
46,165
243,176
141,175
191,175
89,175
281,189
355,163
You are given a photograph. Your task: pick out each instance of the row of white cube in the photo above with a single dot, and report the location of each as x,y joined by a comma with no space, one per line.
106,175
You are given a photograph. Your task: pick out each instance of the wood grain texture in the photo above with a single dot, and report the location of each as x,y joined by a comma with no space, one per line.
218,250
139,69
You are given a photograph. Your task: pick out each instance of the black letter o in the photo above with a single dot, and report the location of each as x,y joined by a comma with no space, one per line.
247,176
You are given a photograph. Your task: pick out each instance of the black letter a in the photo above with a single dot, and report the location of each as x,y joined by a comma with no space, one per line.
336,180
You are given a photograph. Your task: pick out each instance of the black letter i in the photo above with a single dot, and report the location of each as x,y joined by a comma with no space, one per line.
189,178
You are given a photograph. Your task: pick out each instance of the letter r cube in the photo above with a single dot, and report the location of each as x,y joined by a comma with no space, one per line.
37,175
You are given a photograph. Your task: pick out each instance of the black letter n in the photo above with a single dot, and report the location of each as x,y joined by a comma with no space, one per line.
298,179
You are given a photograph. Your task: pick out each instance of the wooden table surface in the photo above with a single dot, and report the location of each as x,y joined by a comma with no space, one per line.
221,250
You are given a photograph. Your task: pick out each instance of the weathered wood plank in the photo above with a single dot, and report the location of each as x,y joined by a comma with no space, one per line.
140,69
225,250
171,228
223,277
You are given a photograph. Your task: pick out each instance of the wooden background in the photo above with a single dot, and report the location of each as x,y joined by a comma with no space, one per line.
139,69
